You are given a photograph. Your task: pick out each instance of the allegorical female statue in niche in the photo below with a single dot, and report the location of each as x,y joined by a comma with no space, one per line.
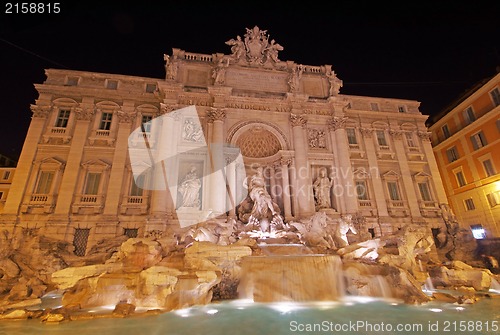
321,187
190,189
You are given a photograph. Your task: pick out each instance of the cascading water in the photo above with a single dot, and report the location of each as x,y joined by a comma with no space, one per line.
298,278
494,286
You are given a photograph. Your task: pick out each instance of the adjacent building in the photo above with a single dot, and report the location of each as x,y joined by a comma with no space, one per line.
75,179
7,169
466,141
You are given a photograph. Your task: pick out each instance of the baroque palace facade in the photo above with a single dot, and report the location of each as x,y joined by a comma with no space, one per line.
75,179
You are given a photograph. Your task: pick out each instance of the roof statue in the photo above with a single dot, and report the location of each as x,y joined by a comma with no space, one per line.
254,48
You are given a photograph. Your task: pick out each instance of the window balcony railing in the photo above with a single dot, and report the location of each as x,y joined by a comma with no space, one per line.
142,138
365,203
102,133
38,203
134,205
428,204
57,133
58,130
383,148
135,199
396,203
91,202
39,198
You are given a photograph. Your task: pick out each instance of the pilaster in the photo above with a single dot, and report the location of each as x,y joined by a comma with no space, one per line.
84,115
24,166
378,186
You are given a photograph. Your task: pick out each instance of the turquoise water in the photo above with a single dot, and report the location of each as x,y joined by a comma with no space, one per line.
351,316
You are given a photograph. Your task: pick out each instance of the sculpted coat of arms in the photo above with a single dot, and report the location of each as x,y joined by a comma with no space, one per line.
255,47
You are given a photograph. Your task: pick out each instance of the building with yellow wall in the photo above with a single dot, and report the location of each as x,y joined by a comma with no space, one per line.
466,142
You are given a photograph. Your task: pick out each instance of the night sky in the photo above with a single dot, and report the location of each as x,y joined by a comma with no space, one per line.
427,51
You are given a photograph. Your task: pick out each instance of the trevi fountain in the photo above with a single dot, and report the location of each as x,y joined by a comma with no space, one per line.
260,262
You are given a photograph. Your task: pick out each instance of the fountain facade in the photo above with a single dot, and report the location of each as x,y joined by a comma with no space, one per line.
249,176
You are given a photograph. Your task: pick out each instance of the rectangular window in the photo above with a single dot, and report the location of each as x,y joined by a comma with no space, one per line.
452,154
495,96
137,186
6,175
374,106
62,118
150,88
478,231
106,121
424,191
478,140
446,131
469,204
72,81
460,179
351,136
80,241
493,198
402,109
469,115
111,84
146,123
1,195
92,183
488,167
381,138
361,190
392,186
409,140
130,232
44,183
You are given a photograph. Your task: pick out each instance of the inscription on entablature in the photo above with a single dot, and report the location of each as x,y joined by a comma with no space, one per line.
257,80
196,102
243,105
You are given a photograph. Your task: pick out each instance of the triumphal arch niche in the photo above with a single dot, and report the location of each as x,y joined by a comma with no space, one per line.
319,150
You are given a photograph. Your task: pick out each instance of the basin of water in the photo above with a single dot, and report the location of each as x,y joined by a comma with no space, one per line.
350,315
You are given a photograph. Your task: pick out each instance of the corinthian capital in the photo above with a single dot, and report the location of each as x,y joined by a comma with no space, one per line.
396,134
40,111
124,117
298,120
216,114
366,132
337,122
84,113
424,135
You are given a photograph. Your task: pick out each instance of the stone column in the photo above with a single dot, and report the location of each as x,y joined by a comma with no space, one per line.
406,177
425,137
217,181
161,202
287,206
378,186
24,166
231,180
303,192
73,168
338,200
114,193
272,182
337,125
